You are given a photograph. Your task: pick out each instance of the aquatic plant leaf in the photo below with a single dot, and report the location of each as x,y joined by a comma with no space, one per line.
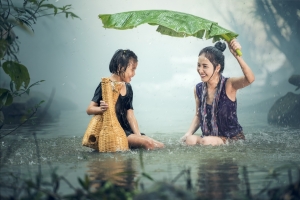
82,183
141,160
18,73
172,23
147,176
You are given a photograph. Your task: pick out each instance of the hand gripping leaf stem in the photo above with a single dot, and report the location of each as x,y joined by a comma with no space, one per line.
170,23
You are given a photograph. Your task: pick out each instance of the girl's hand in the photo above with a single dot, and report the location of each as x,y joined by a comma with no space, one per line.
233,46
103,106
183,138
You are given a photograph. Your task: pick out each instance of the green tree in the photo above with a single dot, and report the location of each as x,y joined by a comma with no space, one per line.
23,14
281,21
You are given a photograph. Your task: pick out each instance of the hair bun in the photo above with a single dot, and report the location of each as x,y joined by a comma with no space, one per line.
221,46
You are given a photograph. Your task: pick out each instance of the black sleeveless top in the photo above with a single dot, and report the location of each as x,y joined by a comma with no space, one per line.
123,104
227,120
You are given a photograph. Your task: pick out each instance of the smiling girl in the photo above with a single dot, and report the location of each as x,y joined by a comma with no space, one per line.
215,97
123,66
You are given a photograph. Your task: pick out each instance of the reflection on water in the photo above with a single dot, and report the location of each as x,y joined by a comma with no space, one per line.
215,171
119,172
218,180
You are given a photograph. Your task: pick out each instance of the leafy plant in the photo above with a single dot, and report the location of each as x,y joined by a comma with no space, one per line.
23,14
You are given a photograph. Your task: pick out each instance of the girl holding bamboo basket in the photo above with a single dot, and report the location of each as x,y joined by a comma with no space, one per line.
123,67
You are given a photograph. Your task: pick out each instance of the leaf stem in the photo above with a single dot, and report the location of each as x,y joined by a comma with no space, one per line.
227,39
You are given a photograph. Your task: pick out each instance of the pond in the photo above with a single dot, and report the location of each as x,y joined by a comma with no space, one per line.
216,172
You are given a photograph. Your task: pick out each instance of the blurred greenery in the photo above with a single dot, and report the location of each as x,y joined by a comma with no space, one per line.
42,186
23,14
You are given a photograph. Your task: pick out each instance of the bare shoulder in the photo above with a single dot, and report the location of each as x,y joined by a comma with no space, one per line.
235,83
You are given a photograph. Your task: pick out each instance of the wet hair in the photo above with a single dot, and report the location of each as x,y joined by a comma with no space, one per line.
120,60
215,54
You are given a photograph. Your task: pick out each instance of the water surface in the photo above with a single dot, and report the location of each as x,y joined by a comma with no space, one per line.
215,171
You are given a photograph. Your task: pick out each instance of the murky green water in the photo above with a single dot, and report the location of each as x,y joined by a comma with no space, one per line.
215,171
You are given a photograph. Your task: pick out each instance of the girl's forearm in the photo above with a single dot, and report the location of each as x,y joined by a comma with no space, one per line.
133,123
135,127
246,70
95,110
194,126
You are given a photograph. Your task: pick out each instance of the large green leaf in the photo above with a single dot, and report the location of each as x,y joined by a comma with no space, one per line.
181,23
5,97
170,23
17,72
216,32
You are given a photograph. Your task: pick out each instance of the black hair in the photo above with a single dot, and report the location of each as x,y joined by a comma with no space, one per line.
215,54
120,60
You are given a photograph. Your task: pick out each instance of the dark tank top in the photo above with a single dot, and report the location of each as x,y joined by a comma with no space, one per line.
227,121
123,104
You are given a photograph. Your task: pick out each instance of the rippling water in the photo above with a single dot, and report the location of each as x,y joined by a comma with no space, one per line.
215,171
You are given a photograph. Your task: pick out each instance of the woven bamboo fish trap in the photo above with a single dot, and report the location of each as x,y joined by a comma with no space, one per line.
104,132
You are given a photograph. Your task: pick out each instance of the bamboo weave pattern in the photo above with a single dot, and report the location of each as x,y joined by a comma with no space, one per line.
104,132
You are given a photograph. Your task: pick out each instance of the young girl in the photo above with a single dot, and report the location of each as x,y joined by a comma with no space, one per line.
216,98
122,66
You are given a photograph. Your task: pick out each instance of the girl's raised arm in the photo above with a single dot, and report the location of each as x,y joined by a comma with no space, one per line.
248,78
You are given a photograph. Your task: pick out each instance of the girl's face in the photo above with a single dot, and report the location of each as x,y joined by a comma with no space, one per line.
130,71
206,69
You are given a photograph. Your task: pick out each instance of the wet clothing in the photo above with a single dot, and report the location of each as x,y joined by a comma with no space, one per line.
123,104
226,116
212,128
239,136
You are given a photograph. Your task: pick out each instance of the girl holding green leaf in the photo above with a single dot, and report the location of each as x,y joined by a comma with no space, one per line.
215,97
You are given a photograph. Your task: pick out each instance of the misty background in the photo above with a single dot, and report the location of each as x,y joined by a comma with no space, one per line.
73,55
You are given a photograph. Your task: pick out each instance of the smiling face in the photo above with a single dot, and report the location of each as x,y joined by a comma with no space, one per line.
130,71
206,69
